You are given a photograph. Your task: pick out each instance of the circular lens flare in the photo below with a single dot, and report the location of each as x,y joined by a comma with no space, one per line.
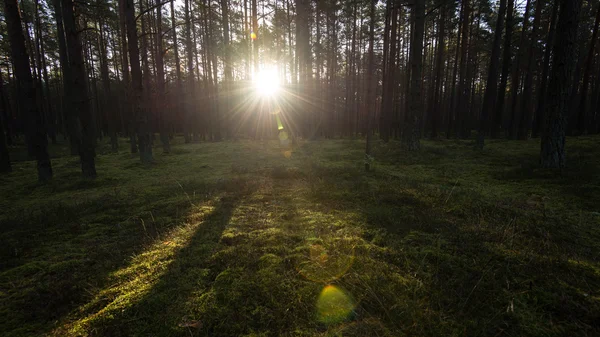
266,82
334,305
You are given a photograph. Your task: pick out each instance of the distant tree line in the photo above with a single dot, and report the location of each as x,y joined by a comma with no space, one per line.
393,69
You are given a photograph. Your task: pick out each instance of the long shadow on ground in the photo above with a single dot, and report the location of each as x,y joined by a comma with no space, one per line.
162,310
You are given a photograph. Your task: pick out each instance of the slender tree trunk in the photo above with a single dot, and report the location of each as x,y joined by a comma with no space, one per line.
553,139
79,93
416,65
160,81
439,73
175,97
190,83
463,84
37,141
506,63
126,78
515,114
68,112
140,116
491,88
526,106
542,92
583,118
370,87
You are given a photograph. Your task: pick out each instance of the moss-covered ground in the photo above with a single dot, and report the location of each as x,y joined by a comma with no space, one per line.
242,238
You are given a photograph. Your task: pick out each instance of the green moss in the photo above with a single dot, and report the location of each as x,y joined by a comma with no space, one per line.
241,239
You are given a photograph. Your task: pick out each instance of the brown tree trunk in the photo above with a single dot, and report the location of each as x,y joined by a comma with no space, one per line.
506,63
526,107
164,121
491,88
416,64
552,153
139,112
583,118
37,141
78,91
439,73
370,87
515,113
542,88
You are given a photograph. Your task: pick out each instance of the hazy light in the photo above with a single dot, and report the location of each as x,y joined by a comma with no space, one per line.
266,83
334,305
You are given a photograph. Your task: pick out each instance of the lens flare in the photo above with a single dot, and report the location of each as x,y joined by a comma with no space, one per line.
253,36
266,83
334,305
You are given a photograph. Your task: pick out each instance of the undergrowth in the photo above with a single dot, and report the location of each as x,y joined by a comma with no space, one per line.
240,238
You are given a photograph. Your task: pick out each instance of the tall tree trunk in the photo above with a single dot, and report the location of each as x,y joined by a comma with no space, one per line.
126,78
140,116
463,84
439,73
228,72
68,112
175,97
506,63
515,113
190,82
79,93
370,87
110,112
542,87
37,141
491,88
553,139
160,81
526,106
583,118
416,68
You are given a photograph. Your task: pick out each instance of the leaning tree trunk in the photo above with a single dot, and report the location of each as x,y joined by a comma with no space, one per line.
491,88
553,139
37,141
416,68
78,91
139,114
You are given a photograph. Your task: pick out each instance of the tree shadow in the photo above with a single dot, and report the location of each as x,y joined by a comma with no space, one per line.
162,309
57,254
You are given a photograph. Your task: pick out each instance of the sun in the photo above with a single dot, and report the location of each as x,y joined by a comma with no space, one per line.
266,82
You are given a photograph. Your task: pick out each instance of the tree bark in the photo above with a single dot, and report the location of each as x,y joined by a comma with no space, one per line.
542,92
79,92
37,141
553,139
416,67
370,87
583,118
506,63
491,88
139,111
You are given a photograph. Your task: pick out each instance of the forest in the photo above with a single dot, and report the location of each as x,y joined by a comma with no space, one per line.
300,168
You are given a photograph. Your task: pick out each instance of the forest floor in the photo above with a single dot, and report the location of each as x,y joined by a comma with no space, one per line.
240,238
